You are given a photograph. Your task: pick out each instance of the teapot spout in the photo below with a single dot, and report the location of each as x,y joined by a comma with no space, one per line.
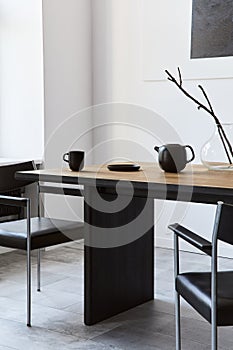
156,148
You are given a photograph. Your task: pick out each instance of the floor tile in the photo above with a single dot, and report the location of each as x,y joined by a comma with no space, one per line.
57,312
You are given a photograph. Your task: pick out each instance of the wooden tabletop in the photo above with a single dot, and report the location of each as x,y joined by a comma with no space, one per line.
194,184
192,175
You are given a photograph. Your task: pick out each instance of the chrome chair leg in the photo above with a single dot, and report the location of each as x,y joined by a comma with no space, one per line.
214,338
29,264
214,328
214,282
177,296
177,316
29,288
38,270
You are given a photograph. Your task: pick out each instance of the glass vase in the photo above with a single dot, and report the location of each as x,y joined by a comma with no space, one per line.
216,153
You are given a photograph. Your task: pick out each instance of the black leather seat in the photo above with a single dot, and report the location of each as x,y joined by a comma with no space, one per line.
209,293
196,289
45,232
37,232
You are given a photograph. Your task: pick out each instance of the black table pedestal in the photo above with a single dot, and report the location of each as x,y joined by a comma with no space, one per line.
119,255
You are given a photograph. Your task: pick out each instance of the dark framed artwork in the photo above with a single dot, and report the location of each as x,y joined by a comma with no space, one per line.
195,35
212,28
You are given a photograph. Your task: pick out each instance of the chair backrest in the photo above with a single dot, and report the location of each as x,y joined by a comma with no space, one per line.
225,223
7,176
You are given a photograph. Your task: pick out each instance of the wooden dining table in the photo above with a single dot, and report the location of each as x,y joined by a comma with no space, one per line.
119,226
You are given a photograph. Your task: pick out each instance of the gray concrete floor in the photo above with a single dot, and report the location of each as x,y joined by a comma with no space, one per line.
57,312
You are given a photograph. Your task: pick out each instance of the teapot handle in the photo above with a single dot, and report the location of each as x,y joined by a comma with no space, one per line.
193,154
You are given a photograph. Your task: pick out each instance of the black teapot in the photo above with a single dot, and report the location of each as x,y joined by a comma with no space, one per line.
173,157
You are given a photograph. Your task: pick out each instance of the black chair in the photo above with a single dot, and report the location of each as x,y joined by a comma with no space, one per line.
209,293
33,233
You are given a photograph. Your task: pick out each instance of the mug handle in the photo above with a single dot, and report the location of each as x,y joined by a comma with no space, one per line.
64,157
193,154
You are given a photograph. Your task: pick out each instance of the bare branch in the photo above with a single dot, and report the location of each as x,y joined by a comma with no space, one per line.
221,134
209,109
170,76
173,79
206,97
180,78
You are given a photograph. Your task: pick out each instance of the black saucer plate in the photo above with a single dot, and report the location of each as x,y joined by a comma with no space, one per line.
123,167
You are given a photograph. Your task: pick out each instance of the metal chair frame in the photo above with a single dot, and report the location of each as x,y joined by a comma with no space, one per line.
26,203
214,271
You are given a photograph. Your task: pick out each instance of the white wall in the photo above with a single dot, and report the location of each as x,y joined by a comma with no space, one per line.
118,77
36,106
21,79
68,92
99,65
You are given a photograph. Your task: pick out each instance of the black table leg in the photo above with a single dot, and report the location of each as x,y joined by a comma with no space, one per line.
119,256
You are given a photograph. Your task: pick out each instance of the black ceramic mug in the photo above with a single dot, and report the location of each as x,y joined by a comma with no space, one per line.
75,159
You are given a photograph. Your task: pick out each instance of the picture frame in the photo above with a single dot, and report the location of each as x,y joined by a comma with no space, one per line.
167,44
